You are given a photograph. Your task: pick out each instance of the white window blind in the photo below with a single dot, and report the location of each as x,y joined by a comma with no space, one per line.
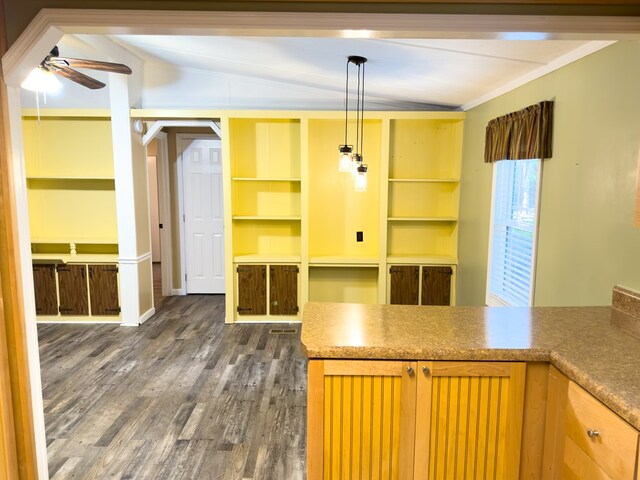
514,226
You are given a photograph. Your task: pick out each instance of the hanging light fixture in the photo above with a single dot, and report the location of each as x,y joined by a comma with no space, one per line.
350,160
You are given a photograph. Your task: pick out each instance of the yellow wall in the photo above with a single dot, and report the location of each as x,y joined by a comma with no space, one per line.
587,241
145,286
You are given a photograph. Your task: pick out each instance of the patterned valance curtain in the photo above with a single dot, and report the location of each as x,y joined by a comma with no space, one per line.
520,135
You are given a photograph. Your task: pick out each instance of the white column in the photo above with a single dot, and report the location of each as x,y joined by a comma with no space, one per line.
132,207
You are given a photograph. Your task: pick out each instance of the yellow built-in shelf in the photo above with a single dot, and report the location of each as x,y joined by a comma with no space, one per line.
43,177
286,218
342,261
252,179
423,219
100,241
79,258
423,259
257,258
425,180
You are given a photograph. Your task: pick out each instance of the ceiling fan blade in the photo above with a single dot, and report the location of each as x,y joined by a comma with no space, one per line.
75,76
94,65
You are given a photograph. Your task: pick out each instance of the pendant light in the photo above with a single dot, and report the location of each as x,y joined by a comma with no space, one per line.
350,160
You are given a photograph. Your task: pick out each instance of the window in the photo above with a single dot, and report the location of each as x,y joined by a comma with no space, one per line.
514,225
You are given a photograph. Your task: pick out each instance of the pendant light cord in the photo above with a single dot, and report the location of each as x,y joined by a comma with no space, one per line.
362,114
358,115
346,105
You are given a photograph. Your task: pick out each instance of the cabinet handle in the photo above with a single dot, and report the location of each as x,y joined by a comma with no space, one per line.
426,370
593,433
410,370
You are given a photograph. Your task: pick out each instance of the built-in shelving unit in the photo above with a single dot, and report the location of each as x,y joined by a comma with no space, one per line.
72,217
289,205
70,184
266,200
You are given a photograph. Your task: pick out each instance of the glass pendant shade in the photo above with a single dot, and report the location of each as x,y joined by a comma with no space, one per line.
41,80
345,158
360,179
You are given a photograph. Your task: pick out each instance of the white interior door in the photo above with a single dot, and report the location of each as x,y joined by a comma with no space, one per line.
203,215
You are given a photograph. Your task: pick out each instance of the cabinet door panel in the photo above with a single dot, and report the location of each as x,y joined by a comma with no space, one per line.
404,285
103,287
283,290
252,290
436,285
72,282
614,448
44,283
366,420
469,420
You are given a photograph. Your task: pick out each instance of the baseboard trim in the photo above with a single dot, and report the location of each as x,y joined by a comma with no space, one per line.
147,315
79,322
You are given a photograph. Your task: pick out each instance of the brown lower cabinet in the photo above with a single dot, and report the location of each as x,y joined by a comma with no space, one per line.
405,289
69,289
72,283
283,289
252,289
103,289
44,285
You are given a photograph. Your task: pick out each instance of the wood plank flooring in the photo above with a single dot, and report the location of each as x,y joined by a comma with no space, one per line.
181,397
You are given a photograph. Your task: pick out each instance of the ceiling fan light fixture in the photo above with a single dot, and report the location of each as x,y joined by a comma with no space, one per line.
42,80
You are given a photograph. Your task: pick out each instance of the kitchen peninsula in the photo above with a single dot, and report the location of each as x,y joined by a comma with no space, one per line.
446,392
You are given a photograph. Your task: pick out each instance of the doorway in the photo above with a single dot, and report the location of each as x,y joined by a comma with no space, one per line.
202,213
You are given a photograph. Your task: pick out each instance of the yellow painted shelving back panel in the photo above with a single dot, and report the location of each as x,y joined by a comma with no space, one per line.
266,237
423,199
343,284
336,211
73,215
266,198
265,148
423,238
68,147
425,148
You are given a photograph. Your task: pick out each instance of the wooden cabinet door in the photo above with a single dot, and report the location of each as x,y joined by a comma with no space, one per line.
252,289
72,282
44,284
436,285
469,420
103,289
361,419
403,289
283,289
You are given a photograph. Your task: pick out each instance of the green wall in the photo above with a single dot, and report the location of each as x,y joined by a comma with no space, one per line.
587,242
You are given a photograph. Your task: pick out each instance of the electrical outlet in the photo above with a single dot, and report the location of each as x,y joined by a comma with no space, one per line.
359,236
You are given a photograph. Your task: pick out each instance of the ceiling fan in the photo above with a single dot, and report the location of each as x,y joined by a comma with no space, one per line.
62,66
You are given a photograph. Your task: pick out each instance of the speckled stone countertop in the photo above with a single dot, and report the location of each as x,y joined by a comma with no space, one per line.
597,347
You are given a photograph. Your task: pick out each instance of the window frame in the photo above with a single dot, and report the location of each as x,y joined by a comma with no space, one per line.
491,299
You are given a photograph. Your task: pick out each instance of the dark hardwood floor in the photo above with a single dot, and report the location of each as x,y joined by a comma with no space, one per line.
181,397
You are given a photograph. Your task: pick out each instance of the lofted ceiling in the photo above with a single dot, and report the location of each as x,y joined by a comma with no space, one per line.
309,73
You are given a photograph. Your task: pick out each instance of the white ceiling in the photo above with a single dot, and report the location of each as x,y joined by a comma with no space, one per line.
309,73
